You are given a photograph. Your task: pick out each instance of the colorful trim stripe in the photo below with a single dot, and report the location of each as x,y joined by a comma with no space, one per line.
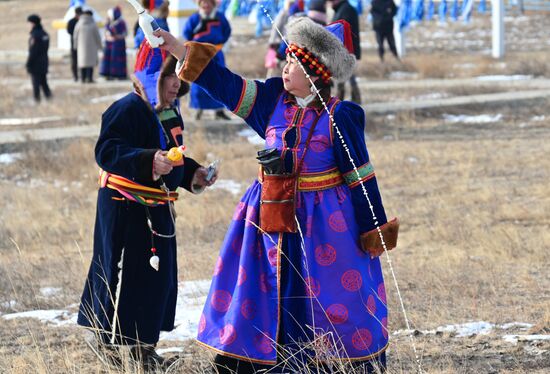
248,98
365,172
319,182
167,114
316,181
133,191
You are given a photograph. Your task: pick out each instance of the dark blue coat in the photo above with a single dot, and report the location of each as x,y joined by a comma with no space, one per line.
129,138
39,42
344,10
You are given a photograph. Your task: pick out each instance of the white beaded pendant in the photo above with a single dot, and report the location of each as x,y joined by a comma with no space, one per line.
154,262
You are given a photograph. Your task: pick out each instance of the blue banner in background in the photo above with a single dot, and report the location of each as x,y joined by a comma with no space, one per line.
482,6
77,3
466,11
418,12
454,10
404,14
442,11
431,10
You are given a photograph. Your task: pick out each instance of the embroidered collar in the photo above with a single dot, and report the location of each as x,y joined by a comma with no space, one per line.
304,102
313,103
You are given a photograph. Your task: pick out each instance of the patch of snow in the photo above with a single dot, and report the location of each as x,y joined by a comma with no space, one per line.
538,118
39,183
57,317
511,325
465,66
227,184
251,136
491,78
9,158
108,98
162,351
28,121
9,304
412,159
462,118
50,291
514,339
191,298
430,96
31,183
467,329
403,75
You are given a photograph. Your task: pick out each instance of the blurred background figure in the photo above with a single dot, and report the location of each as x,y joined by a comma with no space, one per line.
317,11
37,62
113,63
276,52
159,9
383,12
87,40
262,20
70,30
343,10
208,25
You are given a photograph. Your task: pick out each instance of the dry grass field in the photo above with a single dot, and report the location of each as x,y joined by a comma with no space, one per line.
473,198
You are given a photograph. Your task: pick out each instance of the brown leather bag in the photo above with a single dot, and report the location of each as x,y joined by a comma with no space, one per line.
278,197
278,203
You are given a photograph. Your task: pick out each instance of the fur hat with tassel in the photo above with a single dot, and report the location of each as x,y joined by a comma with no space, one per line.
326,52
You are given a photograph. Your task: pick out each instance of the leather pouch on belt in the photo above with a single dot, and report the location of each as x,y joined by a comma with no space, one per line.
278,203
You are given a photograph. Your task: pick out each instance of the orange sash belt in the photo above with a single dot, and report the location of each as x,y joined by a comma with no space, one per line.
136,192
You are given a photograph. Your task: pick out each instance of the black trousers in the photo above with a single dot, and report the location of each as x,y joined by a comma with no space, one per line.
74,67
87,74
355,92
39,81
228,365
388,35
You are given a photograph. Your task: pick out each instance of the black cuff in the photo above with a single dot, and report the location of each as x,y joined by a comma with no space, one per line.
190,167
144,165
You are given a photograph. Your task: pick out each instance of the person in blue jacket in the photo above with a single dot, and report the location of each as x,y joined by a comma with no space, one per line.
130,292
208,25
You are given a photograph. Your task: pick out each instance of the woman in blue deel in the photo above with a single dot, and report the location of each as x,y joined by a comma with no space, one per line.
208,25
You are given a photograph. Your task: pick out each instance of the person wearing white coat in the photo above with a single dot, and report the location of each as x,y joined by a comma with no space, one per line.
87,41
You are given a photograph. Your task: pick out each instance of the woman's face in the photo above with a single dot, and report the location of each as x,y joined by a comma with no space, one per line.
294,78
171,88
206,6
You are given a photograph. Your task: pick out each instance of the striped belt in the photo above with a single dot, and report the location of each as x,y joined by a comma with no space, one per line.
316,181
136,192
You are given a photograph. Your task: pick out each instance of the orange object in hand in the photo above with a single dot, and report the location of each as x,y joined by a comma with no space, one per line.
175,154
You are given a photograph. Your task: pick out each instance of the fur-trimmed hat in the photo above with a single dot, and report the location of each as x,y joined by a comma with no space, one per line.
330,45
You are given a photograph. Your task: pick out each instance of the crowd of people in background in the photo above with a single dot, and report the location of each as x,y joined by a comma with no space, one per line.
86,40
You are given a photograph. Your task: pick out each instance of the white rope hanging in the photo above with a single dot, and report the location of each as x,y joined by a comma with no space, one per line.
365,193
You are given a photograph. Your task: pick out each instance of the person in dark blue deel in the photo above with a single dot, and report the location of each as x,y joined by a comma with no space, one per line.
130,292
37,61
208,25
